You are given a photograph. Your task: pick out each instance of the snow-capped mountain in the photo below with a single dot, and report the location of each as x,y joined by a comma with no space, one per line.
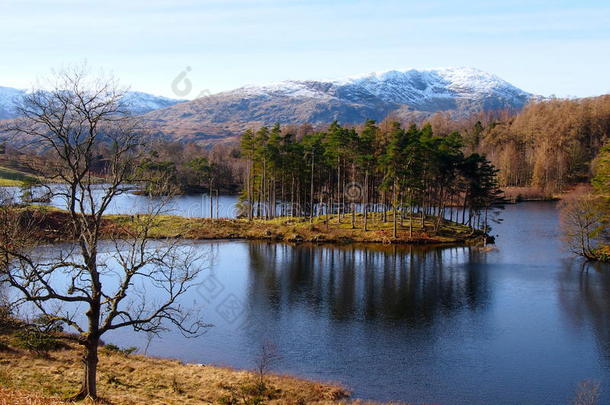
422,89
416,88
136,102
407,94
141,103
8,98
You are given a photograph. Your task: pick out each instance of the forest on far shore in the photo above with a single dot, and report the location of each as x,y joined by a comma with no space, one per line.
549,145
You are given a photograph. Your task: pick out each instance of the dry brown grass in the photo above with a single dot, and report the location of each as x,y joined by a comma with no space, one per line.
135,379
15,397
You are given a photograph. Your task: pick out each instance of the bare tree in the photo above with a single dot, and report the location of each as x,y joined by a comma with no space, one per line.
583,223
266,358
94,286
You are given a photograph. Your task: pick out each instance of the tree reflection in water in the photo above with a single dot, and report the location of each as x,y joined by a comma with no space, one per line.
584,294
395,283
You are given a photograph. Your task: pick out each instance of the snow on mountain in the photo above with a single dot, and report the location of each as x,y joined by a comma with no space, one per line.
140,103
407,95
8,99
137,103
416,88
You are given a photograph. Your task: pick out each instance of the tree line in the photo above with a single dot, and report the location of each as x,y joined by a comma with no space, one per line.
178,168
549,145
370,173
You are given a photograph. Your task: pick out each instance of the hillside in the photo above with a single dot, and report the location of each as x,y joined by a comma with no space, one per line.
405,95
136,102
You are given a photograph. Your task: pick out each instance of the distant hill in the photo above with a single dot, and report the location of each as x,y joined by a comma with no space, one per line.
8,98
406,95
138,103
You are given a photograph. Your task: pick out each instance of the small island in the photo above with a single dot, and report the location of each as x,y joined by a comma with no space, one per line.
51,225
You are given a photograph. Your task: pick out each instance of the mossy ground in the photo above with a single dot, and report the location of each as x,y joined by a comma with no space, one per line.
321,230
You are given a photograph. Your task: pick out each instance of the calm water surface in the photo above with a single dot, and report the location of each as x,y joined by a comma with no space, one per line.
522,324
189,205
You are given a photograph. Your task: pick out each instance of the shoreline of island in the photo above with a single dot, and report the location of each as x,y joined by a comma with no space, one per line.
49,225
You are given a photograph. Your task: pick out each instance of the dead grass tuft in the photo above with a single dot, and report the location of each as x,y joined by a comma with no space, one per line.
136,379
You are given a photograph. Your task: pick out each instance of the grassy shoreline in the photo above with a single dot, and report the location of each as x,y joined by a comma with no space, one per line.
15,178
130,379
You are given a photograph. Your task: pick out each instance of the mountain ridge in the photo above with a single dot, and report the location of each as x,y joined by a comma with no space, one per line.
407,95
137,102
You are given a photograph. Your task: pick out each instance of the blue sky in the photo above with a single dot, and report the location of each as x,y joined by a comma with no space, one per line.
545,47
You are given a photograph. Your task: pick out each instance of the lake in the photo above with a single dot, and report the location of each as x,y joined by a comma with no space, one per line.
187,205
523,323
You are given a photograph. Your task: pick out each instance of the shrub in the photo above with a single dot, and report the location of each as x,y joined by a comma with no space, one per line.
7,322
114,349
48,323
37,342
4,348
249,394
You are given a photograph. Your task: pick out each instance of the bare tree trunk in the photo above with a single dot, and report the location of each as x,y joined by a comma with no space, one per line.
282,197
90,361
311,191
411,215
292,207
394,204
339,208
385,209
250,192
264,189
211,200
90,343
366,201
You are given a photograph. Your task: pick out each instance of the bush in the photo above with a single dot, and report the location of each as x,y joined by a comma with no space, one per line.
7,322
114,349
37,342
251,393
4,348
48,323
